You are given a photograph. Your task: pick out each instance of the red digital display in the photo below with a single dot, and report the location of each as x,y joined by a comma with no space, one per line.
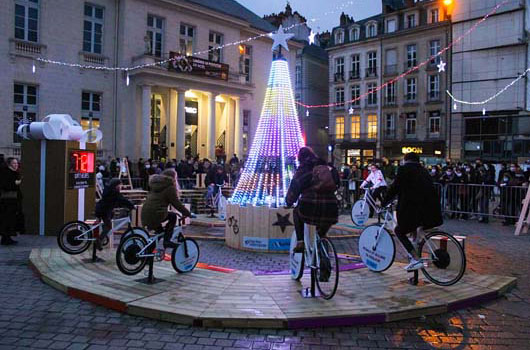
81,162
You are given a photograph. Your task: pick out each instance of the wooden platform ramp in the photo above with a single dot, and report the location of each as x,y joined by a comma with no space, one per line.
229,298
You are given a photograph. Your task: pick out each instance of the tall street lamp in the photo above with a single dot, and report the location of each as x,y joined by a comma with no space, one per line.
448,7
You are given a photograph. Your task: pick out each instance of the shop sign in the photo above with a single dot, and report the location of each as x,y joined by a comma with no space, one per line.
418,150
256,243
354,153
197,66
192,112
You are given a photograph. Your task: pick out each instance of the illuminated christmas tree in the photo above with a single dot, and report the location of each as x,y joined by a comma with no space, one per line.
272,158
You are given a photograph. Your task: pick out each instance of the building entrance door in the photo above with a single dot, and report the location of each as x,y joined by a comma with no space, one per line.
192,127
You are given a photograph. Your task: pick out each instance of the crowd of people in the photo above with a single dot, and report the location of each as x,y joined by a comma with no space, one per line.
465,189
187,169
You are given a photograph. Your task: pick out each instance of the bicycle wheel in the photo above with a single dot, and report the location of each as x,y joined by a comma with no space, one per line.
360,212
126,255
327,274
182,263
67,237
296,261
444,258
377,248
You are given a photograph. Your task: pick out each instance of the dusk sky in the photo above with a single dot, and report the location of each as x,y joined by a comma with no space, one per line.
315,9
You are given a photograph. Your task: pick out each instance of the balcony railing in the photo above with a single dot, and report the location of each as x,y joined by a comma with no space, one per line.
410,98
371,72
390,100
409,65
339,106
390,134
354,74
93,58
367,137
433,96
26,48
370,101
339,77
391,69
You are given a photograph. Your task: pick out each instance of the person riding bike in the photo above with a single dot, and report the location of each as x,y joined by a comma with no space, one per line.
155,209
313,186
110,199
418,204
375,181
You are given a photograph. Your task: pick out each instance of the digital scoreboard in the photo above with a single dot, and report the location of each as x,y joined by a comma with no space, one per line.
81,169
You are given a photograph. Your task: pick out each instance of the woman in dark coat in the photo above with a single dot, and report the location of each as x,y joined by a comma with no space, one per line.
10,181
313,208
418,205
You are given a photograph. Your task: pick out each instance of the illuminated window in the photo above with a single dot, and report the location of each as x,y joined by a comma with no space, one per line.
339,128
90,110
155,32
372,126
355,127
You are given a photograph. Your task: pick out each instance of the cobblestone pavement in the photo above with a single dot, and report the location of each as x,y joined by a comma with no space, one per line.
34,315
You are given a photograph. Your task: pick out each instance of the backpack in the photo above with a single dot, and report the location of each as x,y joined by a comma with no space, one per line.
323,181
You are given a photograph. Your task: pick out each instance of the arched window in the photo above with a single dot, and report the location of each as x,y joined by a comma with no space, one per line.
339,37
371,31
354,33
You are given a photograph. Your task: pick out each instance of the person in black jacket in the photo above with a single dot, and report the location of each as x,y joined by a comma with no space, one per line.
111,198
10,195
418,205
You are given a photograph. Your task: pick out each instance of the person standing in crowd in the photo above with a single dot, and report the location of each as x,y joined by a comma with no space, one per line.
376,183
486,180
2,162
354,181
509,180
388,170
461,181
10,196
234,160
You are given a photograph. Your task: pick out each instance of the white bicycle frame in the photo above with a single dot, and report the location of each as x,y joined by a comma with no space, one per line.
386,221
177,231
117,224
368,199
310,244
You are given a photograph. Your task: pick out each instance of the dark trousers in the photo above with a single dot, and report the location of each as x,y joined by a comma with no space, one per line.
402,236
322,229
8,210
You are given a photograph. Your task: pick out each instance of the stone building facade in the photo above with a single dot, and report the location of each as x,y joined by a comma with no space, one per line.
409,114
484,63
165,110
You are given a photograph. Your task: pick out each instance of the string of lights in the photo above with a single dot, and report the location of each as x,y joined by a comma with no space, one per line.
411,70
492,97
171,59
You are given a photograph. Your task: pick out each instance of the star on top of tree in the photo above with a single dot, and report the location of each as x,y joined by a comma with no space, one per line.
280,38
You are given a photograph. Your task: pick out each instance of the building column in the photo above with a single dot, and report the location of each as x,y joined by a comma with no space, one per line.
146,122
172,124
181,124
211,140
238,128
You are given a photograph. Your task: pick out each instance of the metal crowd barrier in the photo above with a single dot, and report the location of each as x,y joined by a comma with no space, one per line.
463,200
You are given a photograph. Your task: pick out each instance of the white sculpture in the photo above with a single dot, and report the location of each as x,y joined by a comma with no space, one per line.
58,127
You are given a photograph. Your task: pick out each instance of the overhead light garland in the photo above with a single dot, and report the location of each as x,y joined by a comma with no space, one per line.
413,69
162,62
492,97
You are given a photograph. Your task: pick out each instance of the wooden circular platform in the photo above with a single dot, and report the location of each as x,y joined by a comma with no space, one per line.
228,298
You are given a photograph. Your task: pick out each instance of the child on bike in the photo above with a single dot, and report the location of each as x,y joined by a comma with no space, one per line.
111,198
155,209
418,204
